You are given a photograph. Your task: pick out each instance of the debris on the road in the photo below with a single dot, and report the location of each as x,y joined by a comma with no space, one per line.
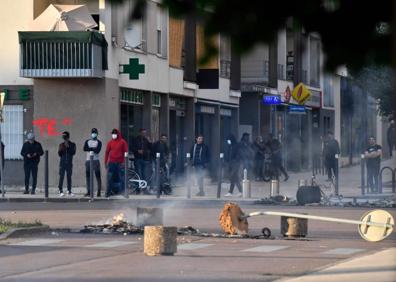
188,230
231,220
117,225
276,200
374,226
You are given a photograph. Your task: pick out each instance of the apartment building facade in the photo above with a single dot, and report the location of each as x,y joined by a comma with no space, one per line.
268,76
141,74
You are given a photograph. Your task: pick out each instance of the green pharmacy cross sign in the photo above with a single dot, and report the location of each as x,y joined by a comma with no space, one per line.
133,68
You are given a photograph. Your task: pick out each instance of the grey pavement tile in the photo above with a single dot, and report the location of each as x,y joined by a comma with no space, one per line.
193,246
343,251
37,242
265,249
111,244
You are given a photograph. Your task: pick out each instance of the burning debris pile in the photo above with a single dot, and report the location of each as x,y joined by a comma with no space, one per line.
118,224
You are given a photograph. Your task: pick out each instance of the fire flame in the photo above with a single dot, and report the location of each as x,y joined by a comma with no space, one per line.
119,218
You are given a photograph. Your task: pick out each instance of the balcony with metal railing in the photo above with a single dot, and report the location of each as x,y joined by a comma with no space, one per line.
62,54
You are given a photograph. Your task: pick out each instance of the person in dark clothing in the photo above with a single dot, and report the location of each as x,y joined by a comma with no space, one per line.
31,152
391,136
116,149
246,153
259,155
200,158
331,148
373,161
276,158
66,151
162,148
232,158
142,153
93,145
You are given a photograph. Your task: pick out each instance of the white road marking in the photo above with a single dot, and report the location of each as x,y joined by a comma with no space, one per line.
37,242
265,249
110,244
343,251
192,246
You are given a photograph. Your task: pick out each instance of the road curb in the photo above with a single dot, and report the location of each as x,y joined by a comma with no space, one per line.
21,231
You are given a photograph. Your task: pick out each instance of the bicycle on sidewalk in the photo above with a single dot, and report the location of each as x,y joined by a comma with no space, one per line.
136,185
327,191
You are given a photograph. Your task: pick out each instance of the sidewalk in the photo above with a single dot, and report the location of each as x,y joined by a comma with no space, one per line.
349,187
375,267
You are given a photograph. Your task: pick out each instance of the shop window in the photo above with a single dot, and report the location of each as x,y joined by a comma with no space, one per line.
12,131
156,102
131,96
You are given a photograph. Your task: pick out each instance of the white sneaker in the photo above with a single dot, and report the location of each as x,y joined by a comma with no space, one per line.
239,194
70,194
61,194
228,195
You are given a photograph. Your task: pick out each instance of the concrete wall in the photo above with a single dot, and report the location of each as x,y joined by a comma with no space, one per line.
88,103
15,16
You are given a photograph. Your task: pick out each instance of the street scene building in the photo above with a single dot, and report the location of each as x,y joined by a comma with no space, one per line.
161,140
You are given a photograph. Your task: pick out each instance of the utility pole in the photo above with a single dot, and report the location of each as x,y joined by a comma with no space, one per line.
2,95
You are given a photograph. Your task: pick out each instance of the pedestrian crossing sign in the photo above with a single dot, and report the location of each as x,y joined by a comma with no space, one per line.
301,94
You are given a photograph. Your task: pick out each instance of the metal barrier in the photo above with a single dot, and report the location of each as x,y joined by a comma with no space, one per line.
393,171
220,175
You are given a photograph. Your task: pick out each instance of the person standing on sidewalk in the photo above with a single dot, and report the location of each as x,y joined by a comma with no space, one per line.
276,158
246,153
161,147
31,152
142,154
114,161
66,151
200,158
259,154
330,149
234,164
373,161
93,145
391,136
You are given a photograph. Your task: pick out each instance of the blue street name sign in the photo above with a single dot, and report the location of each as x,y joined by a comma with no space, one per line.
294,109
271,100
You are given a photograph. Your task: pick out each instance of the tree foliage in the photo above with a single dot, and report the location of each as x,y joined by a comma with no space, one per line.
378,81
355,33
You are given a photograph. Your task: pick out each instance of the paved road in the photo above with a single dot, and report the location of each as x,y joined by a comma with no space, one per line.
85,257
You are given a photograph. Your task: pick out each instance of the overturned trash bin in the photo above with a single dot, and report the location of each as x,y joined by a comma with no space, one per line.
160,240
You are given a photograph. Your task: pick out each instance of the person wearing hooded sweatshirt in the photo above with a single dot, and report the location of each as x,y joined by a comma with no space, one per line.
93,145
66,151
31,152
114,161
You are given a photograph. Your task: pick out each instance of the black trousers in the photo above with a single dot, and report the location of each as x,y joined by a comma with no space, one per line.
331,167
68,169
30,168
372,176
96,169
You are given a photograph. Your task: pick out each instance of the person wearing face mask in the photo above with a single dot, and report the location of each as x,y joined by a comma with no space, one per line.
114,161
93,145
31,152
66,151
233,162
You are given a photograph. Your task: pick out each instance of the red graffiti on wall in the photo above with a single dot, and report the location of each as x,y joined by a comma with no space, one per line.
48,126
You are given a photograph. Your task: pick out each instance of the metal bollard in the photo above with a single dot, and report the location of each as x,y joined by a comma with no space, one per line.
336,176
246,189
220,176
157,174
126,175
91,185
362,177
46,185
188,175
274,188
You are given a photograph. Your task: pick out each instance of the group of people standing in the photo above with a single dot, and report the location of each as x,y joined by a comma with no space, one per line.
116,150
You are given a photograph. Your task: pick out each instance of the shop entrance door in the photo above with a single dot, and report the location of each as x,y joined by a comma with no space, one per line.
176,141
